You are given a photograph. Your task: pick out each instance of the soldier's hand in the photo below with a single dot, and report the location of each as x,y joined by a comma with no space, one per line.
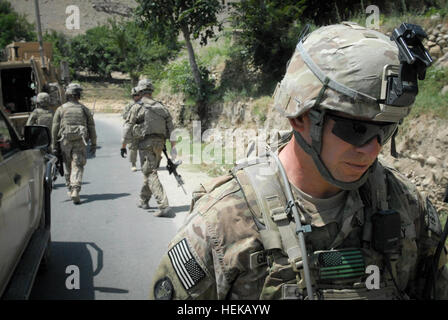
123,152
93,150
173,153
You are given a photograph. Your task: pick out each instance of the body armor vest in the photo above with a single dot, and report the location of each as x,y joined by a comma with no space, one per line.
338,273
73,122
155,119
44,117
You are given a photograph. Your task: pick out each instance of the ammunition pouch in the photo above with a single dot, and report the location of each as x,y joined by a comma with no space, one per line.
74,133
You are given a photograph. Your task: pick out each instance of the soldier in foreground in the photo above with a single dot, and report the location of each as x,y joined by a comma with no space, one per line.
243,236
41,115
133,150
73,127
150,124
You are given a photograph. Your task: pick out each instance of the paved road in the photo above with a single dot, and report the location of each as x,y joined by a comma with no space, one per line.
115,245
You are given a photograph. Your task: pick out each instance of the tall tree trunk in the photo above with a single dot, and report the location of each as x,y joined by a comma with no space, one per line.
195,70
192,58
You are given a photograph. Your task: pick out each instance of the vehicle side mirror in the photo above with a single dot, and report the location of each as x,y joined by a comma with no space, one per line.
37,137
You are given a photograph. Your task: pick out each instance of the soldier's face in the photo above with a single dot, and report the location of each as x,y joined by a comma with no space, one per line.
345,161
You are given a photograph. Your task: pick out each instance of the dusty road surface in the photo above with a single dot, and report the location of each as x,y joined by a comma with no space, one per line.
111,244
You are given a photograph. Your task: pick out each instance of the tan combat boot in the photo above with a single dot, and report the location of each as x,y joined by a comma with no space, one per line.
143,204
163,212
75,196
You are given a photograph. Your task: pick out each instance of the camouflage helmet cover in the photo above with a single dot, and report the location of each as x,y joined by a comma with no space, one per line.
134,91
43,98
145,85
73,88
350,55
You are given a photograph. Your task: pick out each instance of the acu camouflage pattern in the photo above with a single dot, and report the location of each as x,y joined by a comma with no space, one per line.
347,53
74,152
41,117
223,234
131,144
150,149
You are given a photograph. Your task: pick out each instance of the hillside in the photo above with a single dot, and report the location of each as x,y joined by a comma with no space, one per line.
92,12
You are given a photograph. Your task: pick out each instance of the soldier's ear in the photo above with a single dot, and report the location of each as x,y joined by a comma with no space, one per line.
301,123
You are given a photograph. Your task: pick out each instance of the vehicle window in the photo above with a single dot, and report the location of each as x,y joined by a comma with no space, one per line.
7,142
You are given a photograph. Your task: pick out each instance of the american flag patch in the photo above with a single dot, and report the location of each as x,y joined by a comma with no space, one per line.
185,265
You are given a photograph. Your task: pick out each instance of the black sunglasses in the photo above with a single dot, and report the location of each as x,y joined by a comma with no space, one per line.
359,132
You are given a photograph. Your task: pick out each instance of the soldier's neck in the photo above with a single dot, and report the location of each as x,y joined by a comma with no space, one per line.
302,172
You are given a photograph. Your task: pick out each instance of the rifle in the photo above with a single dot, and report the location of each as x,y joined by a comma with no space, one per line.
172,169
60,162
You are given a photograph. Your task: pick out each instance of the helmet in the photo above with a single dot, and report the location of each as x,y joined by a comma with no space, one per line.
145,86
73,89
134,91
340,68
43,99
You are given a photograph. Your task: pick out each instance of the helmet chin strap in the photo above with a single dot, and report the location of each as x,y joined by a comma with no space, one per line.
317,122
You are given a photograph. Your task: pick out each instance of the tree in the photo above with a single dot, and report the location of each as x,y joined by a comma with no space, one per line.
269,33
193,18
94,51
137,49
13,26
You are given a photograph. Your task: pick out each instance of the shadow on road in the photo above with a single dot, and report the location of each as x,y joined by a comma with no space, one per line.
51,284
100,197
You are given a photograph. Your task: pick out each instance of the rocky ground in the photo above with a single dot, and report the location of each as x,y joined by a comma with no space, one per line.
423,157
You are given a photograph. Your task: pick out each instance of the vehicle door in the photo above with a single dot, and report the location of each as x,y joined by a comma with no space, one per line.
16,187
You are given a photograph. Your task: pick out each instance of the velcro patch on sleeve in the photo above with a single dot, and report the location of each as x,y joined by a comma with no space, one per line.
187,268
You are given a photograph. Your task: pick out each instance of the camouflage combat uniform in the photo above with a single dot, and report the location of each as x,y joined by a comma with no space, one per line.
219,253
42,117
239,240
151,141
132,145
73,126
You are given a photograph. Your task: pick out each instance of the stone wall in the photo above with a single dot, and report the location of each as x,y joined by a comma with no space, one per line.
437,42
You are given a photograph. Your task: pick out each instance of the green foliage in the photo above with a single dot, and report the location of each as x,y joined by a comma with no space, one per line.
168,18
181,80
61,46
429,99
95,51
13,26
137,50
268,33
443,11
195,19
118,46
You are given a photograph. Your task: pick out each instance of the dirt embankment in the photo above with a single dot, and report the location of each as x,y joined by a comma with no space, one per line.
422,145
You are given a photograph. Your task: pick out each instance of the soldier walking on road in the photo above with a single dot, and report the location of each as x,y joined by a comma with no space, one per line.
133,145
150,123
73,127
41,115
313,217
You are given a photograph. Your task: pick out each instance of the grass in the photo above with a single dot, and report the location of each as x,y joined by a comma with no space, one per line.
429,99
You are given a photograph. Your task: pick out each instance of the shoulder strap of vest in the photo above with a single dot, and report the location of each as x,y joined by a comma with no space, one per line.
260,181
374,196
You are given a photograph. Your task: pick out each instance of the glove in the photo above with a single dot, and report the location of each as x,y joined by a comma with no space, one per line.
93,150
123,152
173,153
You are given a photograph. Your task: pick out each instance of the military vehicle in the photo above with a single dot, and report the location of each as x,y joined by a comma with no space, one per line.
24,72
26,170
